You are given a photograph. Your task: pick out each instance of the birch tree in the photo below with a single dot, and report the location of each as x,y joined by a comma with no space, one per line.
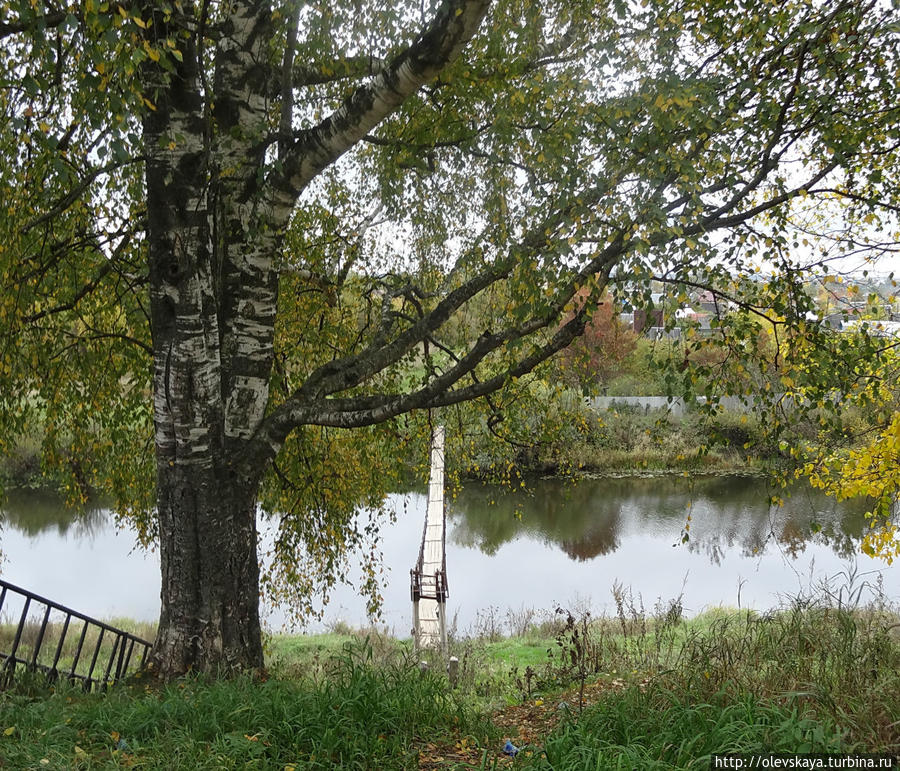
232,231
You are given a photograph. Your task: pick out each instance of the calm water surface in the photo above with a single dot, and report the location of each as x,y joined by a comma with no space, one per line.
559,543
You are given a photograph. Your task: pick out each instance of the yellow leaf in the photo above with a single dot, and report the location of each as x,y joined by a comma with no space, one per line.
151,52
10,731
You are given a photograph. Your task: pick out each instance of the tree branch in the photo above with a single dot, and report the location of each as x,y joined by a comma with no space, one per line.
87,289
76,191
366,411
350,371
345,68
316,148
287,67
51,20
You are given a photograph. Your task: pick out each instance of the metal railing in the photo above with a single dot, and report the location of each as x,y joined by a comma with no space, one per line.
39,644
428,587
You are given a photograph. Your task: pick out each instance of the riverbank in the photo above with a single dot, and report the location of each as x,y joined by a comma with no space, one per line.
626,441
632,690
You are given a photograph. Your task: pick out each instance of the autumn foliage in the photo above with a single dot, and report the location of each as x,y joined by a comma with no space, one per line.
596,357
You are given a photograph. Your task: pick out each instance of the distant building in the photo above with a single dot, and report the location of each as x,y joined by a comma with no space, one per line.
875,327
644,319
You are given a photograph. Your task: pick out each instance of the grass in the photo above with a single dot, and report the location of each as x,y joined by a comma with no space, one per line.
488,669
630,439
814,674
661,729
810,677
361,716
648,690
71,638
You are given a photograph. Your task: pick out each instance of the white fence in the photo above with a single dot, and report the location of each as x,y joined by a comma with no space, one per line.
674,405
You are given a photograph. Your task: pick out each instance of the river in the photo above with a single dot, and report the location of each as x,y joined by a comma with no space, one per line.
556,544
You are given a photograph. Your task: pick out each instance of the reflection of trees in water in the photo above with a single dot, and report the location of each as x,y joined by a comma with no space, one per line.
586,518
589,517
806,517
596,541
33,512
568,515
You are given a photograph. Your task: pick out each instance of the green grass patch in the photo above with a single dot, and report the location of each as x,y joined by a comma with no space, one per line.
661,692
810,677
363,715
662,729
73,648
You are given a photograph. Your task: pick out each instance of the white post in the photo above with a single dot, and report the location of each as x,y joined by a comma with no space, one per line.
453,671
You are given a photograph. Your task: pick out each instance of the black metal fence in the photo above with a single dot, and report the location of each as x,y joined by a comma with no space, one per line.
62,643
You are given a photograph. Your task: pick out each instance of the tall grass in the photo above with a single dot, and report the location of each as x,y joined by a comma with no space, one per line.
813,676
60,644
364,715
662,728
648,689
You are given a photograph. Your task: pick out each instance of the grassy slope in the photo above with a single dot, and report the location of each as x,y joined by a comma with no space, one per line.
358,716
667,694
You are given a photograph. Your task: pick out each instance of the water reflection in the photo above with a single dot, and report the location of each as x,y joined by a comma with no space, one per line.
79,559
556,542
589,518
33,512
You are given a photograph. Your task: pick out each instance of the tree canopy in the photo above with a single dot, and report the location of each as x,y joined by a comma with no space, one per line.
230,230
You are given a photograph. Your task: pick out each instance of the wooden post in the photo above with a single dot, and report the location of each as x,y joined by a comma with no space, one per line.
453,671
